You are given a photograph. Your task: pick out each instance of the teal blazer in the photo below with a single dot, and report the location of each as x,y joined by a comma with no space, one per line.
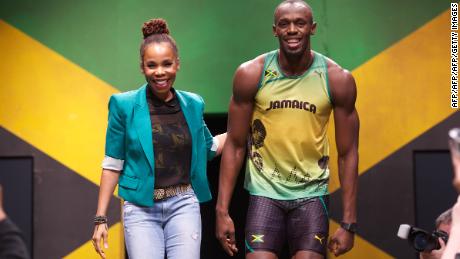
129,140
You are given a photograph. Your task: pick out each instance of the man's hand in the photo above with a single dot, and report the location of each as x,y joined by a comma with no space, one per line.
225,233
435,254
341,242
100,235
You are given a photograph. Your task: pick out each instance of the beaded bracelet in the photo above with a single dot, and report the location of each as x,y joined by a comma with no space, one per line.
100,220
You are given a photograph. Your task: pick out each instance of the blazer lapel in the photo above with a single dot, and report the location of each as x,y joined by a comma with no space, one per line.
187,111
143,124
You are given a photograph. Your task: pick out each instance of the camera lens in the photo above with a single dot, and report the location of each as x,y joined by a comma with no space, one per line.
420,241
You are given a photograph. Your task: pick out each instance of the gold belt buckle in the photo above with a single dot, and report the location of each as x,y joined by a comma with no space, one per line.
159,194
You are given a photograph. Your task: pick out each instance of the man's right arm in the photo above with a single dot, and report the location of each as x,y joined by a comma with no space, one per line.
245,85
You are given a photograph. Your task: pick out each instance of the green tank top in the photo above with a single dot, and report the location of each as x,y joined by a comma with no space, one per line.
288,150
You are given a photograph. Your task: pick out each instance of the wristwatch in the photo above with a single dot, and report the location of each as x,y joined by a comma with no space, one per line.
350,227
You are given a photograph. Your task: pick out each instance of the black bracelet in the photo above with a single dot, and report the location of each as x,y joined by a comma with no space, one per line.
100,220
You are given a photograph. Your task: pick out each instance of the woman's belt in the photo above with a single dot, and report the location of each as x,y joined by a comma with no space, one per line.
170,191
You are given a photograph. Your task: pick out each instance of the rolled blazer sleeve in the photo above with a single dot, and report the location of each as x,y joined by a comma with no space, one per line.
115,137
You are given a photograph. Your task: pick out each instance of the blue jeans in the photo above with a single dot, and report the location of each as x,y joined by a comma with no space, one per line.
172,225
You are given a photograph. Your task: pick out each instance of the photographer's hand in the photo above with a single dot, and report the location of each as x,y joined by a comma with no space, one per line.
435,254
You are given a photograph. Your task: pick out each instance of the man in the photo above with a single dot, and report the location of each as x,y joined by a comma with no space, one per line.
283,99
443,223
452,248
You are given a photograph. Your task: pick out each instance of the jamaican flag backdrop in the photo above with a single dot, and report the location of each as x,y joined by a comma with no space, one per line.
60,61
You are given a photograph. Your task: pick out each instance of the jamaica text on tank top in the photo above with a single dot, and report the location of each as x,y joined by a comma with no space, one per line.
288,151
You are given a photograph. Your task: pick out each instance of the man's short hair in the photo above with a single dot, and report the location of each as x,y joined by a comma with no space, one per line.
444,218
293,2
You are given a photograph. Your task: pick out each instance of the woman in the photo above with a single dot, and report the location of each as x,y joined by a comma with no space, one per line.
157,145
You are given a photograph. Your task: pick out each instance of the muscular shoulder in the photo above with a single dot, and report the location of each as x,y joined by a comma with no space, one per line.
342,84
247,76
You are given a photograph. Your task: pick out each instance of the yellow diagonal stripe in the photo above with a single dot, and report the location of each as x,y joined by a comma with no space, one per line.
52,103
402,92
57,107
361,248
116,248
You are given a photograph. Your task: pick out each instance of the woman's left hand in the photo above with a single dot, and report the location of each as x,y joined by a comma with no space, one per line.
221,138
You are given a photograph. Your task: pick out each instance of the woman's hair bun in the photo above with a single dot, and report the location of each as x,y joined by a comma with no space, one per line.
155,26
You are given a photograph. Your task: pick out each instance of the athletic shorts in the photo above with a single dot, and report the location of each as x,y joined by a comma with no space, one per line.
302,223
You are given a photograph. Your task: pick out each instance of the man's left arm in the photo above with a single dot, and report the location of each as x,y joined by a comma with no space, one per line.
343,90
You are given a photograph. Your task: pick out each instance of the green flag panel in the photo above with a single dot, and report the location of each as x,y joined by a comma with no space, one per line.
213,37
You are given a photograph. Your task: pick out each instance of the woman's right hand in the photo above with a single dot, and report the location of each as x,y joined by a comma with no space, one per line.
109,179
101,234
